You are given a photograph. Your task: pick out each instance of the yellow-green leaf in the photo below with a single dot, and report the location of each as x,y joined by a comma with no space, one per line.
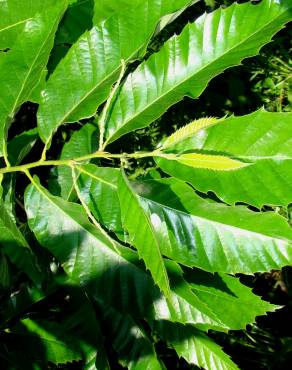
208,161
189,130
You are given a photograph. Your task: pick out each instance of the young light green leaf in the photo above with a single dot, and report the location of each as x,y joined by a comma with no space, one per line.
261,138
212,236
22,67
186,63
189,130
83,79
141,234
207,161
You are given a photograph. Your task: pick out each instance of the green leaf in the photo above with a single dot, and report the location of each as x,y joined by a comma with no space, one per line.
194,346
98,187
21,145
186,63
21,68
223,296
91,261
128,339
104,9
212,236
207,161
189,130
13,16
83,79
15,246
83,324
4,272
47,341
82,142
220,291
142,234
76,20
262,138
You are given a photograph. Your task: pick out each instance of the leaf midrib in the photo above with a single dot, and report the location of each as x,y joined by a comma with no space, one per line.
34,62
35,184
15,24
216,223
81,169
98,85
240,299
136,199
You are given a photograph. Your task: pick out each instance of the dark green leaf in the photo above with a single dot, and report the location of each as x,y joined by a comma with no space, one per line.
47,341
16,247
135,350
194,346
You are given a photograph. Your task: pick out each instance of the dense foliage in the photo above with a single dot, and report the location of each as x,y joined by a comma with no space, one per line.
98,265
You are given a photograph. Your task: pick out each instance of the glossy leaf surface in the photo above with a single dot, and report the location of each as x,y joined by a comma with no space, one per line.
262,139
142,233
194,346
25,64
99,190
187,62
90,260
83,79
81,143
212,236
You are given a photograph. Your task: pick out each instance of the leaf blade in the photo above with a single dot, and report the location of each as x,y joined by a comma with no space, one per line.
186,63
90,261
211,236
194,346
266,146
93,64
22,68
141,234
